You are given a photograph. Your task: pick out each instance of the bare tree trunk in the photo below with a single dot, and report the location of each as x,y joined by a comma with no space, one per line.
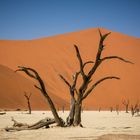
70,118
77,117
126,109
28,101
132,111
54,112
2,113
33,74
117,109
17,126
126,104
135,109
111,109
63,108
72,89
29,106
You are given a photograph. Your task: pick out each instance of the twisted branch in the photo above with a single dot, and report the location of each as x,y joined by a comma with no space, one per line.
116,57
97,83
33,74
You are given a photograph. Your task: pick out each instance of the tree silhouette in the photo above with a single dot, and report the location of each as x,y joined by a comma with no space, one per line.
126,104
28,101
34,74
80,94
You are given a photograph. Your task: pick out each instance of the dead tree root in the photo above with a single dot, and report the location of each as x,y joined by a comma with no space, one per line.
17,126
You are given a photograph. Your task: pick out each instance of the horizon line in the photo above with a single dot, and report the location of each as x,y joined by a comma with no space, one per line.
69,32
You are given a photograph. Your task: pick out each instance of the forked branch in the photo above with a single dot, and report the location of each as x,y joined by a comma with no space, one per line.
28,101
33,74
72,86
88,62
101,45
126,104
80,62
98,55
97,83
75,77
65,81
116,57
27,96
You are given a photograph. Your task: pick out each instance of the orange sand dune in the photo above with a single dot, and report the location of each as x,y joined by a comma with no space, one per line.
13,86
53,55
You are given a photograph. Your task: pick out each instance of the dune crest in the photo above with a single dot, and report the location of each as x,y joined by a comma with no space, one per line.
53,55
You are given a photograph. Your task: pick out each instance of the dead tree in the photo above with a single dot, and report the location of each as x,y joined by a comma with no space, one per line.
135,109
17,126
80,94
111,109
126,104
117,109
28,101
2,113
138,110
99,109
72,89
34,74
63,108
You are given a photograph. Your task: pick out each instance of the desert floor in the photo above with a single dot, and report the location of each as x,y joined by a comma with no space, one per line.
102,125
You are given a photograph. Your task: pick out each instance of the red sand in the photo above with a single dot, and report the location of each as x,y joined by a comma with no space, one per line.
53,55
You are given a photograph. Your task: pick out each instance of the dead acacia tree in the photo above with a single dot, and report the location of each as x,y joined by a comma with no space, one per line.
99,109
126,104
111,109
80,94
2,113
28,101
72,89
34,74
18,126
135,109
117,109
63,108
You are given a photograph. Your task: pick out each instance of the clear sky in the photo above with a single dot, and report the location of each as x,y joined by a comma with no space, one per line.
28,19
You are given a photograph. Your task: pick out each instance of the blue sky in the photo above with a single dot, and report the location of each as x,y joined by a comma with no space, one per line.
29,19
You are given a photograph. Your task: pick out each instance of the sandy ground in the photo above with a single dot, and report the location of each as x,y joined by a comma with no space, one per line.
102,125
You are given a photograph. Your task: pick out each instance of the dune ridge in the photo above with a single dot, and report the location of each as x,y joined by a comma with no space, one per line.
53,55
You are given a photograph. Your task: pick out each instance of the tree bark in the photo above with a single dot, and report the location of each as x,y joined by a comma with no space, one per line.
77,117
70,118
126,109
33,74
2,113
29,106
72,89
17,126
28,101
126,104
